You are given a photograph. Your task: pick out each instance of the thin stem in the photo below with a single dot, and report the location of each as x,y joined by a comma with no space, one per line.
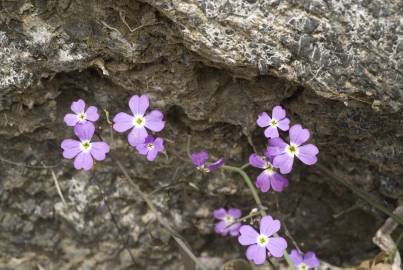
59,191
114,221
179,240
258,202
252,214
249,183
243,167
362,195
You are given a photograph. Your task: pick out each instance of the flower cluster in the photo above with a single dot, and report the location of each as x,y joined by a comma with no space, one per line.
276,160
139,123
84,151
279,155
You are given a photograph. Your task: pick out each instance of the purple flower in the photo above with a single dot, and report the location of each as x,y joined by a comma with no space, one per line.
269,177
151,147
259,242
80,115
284,153
138,121
199,159
227,218
278,120
84,151
304,261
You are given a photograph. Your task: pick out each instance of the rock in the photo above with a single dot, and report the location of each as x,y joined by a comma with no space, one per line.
211,67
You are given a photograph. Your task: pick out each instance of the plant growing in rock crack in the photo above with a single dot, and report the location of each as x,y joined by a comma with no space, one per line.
277,159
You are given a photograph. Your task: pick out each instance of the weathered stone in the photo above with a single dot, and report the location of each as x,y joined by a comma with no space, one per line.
211,66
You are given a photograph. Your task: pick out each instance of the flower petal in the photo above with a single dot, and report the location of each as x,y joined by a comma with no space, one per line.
278,113
284,162
263,182
71,148
70,119
248,235
159,144
269,226
83,161
138,104
142,149
220,228
154,120
263,119
235,212
298,135
271,132
84,131
256,253
296,257
215,165
137,135
278,182
152,154
199,158
311,260
219,213
234,229
284,124
307,154
78,106
122,122
99,150
92,113
276,246
256,161
276,147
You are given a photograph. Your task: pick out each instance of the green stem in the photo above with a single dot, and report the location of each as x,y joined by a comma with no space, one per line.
246,165
249,183
251,215
255,195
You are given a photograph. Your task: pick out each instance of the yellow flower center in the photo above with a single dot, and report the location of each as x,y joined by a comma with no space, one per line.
303,266
262,240
228,219
150,146
269,169
85,146
139,121
81,117
203,169
292,149
273,122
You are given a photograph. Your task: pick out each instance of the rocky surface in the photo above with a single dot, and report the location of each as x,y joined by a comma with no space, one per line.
211,66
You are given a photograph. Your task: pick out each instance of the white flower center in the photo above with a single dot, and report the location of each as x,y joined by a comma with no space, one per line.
203,168
81,117
292,149
262,240
139,121
150,146
269,169
85,146
228,219
303,266
273,123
